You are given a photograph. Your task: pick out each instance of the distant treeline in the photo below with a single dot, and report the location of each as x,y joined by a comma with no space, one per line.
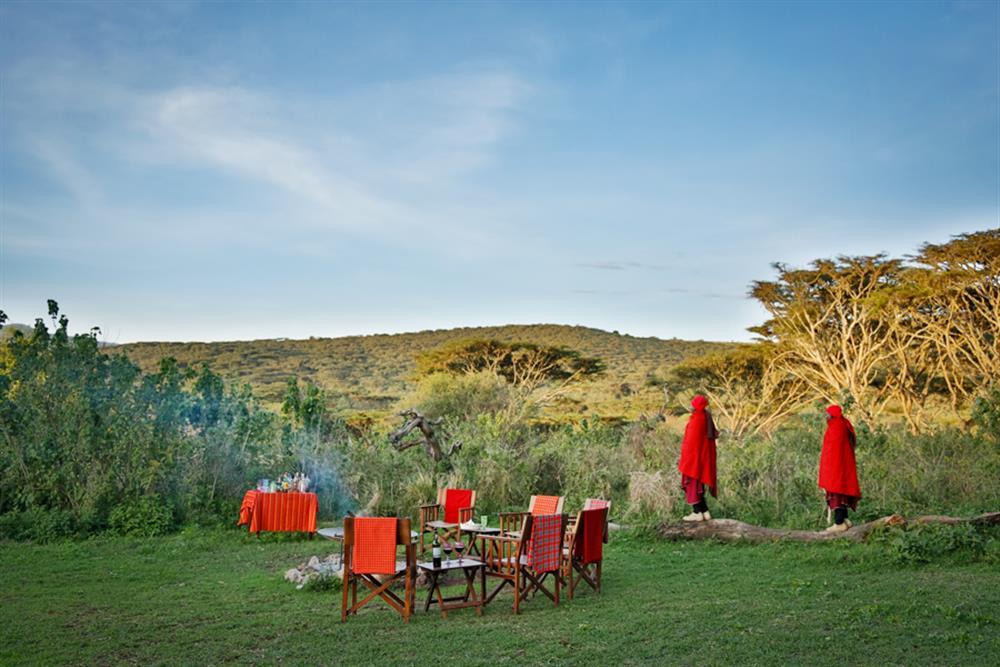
371,374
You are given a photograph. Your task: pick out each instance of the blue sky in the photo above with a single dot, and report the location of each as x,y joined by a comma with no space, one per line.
235,171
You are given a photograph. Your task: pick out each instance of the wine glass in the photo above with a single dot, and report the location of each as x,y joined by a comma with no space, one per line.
459,548
446,546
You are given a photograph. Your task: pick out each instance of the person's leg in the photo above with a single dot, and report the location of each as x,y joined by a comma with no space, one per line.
694,494
840,521
703,508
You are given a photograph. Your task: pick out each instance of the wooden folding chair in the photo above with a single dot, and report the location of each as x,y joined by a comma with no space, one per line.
596,504
510,522
593,504
527,561
405,570
453,508
584,553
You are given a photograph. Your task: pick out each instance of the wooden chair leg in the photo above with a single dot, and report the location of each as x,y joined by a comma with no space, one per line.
343,602
408,606
517,591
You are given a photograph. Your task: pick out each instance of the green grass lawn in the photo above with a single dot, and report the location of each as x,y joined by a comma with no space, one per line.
212,597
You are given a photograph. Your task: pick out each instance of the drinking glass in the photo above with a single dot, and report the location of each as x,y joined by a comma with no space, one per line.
483,519
459,548
446,546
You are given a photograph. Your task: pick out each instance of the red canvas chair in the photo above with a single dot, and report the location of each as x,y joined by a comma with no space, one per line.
584,553
593,504
527,561
510,522
453,507
370,552
596,504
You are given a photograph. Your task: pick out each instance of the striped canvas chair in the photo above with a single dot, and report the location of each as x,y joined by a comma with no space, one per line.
510,522
526,562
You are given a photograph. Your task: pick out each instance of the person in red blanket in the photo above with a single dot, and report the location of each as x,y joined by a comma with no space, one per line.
838,471
697,462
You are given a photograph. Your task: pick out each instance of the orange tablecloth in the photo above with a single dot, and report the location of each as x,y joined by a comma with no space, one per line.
295,512
246,507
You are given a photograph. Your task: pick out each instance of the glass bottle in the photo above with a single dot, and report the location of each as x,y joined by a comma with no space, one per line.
436,552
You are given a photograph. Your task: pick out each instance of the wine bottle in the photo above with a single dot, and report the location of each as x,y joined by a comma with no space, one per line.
436,552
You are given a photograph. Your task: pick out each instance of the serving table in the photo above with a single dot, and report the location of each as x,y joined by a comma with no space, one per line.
279,512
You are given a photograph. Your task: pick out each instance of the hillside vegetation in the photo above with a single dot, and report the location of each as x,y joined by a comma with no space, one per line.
96,440
374,372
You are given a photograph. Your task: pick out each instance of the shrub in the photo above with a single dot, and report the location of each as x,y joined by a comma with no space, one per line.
146,517
37,524
924,543
321,582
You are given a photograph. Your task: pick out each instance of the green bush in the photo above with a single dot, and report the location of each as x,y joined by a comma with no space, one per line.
146,517
322,582
464,396
925,543
37,524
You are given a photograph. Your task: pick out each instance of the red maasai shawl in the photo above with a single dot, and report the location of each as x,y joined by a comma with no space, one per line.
838,471
597,503
454,500
374,545
589,544
698,446
546,543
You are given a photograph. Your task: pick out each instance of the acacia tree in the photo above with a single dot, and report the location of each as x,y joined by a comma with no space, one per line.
830,329
953,310
539,373
748,392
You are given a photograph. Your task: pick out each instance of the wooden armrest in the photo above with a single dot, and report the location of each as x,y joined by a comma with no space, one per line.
423,507
499,538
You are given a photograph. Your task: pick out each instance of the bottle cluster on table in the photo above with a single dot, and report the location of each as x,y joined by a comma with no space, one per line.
297,482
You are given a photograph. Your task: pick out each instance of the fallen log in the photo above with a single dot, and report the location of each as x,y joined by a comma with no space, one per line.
730,530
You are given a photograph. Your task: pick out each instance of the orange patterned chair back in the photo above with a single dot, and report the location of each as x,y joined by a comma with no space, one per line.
546,505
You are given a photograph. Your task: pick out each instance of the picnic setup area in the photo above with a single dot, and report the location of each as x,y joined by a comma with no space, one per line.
540,551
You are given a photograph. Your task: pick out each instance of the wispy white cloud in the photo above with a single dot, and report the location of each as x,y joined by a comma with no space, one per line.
223,128
613,265
361,162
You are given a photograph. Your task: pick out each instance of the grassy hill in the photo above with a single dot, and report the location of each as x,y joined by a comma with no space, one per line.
374,372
